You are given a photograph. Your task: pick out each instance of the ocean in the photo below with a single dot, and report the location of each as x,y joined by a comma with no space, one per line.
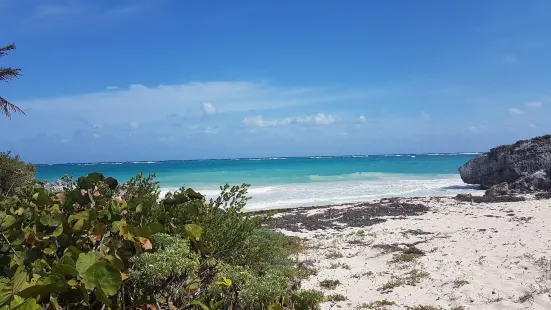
281,182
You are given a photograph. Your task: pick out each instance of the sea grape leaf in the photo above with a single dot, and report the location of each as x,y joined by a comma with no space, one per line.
194,231
53,283
85,260
12,287
147,231
99,229
104,276
65,270
115,226
51,220
41,197
18,237
85,295
51,249
101,296
7,220
58,231
20,303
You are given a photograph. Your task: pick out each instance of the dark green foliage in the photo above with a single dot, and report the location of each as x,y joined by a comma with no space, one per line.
6,74
266,248
330,284
227,228
170,267
335,298
14,173
307,299
99,244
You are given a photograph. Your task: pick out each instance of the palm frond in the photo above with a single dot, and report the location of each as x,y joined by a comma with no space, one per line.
4,50
8,108
9,73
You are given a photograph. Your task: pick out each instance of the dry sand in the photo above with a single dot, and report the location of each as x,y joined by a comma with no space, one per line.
445,253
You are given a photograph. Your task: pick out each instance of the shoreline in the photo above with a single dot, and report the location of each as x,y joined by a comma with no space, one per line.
444,252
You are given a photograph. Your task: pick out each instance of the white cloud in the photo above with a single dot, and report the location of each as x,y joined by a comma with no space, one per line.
361,119
425,116
532,126
534,104
208,108
139,102
134,124
515,112
96,135
97,126
475,129
259,121
318,119
111,87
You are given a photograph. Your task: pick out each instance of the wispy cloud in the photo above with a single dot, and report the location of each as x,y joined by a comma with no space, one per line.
318,119
208,108
138,102
534,104
515,112
425,116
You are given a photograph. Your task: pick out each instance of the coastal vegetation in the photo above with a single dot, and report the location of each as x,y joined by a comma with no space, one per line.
98,244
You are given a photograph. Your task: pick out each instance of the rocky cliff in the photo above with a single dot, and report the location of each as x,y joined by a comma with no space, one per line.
521,167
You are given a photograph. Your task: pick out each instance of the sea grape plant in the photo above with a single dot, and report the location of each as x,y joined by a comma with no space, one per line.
98,244
57,245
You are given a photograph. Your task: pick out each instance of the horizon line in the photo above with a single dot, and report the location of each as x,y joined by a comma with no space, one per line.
261,158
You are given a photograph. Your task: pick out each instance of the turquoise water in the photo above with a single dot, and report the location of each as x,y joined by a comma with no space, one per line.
288,182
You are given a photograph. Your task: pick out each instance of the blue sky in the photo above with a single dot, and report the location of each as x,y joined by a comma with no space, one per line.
166,79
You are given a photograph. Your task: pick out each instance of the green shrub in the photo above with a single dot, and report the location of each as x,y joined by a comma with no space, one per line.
330,284
336,298
307,300
160,273
14,173
98,244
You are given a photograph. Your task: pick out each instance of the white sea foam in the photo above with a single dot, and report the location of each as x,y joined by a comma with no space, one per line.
355,176
347,191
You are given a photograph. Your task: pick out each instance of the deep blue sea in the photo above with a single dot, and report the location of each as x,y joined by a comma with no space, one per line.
290,182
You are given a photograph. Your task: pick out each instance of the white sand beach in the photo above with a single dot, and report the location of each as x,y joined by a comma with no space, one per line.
458,255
